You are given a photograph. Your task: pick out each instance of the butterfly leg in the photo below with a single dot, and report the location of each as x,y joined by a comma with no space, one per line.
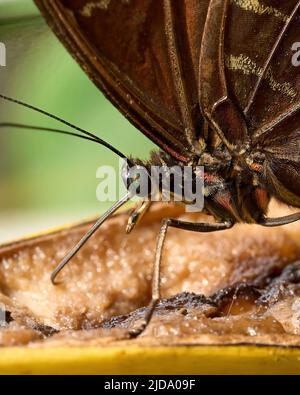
288,219
137,215
166,223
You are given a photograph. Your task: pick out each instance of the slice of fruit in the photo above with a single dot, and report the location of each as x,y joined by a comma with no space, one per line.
235,274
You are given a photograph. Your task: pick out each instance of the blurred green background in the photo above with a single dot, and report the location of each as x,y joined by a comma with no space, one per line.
45,179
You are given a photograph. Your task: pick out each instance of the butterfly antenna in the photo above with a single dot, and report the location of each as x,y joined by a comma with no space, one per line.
52,116
86,237
43,129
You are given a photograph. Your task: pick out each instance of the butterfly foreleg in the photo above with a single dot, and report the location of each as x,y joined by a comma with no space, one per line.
288,219
137,214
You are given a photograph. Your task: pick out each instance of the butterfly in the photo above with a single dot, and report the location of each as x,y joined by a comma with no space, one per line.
212,83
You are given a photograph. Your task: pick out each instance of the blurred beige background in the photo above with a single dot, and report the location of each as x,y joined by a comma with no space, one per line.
47,180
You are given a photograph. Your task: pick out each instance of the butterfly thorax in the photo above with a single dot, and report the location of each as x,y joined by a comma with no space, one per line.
233,187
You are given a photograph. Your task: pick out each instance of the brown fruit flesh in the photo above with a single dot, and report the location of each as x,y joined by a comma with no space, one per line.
111,276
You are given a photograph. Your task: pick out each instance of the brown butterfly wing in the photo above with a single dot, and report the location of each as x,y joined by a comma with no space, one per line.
272,105
246,66
124,48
